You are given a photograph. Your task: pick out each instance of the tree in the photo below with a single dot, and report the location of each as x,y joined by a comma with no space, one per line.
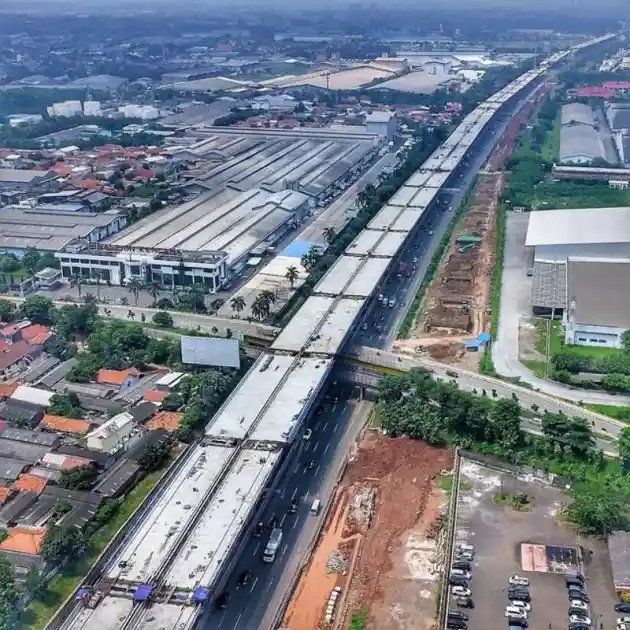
626,341
623,444
76,280
67,405
9,263
7,311
163,319
154,289
237,304
35,583
292,274
80,478
62,542
30,260
260,307
506,423
329,234
10,596
305,261
598,509
134,286
39,310
155,457
268,296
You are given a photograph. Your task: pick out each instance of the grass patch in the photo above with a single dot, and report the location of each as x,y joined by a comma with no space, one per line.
445,482
359,620
537,367
612,411
551,147
519,501
39,613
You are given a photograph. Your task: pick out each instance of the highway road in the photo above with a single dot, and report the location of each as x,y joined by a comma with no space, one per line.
422,246
335,427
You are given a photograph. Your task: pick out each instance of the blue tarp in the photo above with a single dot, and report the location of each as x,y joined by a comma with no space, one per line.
473,344
200,594
297,249
143,592
484,337
83,591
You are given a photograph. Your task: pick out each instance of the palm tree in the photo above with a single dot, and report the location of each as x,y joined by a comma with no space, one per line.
305,261
76,281
329,234
135,286
154,291
268,296
258,308
292,275
313,254
238,304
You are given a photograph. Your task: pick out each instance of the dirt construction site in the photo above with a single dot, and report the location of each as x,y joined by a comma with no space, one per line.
378,554
457,304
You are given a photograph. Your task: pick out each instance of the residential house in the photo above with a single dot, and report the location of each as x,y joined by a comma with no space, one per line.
110,436
118,479
70,426
167,420
17,357
124,380
21,548
21,413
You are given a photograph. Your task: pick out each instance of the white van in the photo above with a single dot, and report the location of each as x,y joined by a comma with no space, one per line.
315,508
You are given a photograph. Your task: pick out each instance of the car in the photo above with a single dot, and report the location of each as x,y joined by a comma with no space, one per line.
624,607
465,555
461,591
623,626
623,620
518,589
457,614
520,596
222,601
515,611
579,626
576,603
580,619
580,612
307,434
520,622
244,578
518,580
520,604
456,580
464,602
575,593
464,565
574,580
461,573
456,624
258,530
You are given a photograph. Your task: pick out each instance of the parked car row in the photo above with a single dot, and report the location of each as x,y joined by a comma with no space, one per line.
579,611
519,605
459,579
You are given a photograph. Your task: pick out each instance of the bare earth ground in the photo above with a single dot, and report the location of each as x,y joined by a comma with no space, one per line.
457,303
385,521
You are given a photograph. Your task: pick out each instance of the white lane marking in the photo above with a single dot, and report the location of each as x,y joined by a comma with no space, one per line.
238,619
297,467
251,590
326,449
325,425
336,425
284,549
294,493
295,522
315,447
317,469
282,519
256,549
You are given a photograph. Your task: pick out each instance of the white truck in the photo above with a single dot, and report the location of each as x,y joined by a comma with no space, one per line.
273,544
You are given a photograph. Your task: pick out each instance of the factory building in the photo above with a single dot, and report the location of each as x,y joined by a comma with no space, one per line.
580,141
557,241
381,124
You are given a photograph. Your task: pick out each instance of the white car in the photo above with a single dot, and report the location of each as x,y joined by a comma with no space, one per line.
515,611
461,573
461,591
580,619
576,603
526,606
465,547
518,579
620,620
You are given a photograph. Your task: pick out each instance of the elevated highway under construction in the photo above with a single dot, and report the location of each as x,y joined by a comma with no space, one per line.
182,551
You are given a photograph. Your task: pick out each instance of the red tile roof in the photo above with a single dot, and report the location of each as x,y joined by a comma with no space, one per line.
30,483
169,420
155,396
115,377
617,85
6,391
24,540
600,92
14,353
65,425
33,332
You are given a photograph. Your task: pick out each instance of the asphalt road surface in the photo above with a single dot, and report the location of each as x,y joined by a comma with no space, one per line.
253,606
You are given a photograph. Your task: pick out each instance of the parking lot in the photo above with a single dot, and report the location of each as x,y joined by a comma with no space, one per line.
533,542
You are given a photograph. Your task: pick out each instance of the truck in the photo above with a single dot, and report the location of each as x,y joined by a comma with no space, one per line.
402,268
273,544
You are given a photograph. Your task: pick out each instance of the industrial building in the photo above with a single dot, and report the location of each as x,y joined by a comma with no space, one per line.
555,238
580,140
598,302
381,124
51,230
252,189
179,553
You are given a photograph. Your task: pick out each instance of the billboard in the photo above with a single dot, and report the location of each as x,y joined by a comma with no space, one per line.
211,351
